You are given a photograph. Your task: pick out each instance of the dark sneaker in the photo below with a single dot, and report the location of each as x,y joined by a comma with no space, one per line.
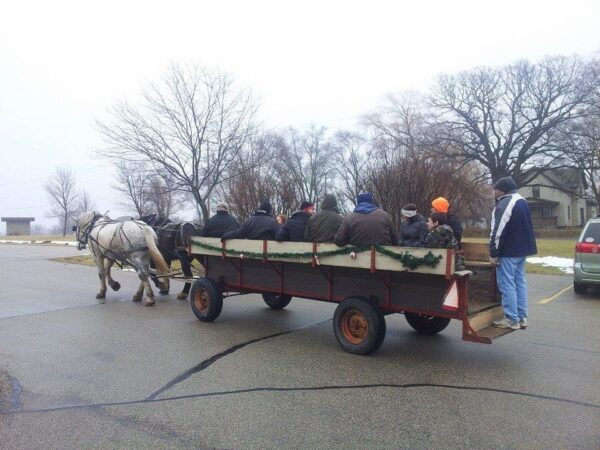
505,323
523,322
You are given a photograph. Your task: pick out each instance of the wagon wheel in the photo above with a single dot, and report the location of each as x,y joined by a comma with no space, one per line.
206,299
359,326
426,324
276,301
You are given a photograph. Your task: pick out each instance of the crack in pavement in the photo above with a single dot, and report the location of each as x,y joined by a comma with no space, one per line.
210,361
304,389
152,398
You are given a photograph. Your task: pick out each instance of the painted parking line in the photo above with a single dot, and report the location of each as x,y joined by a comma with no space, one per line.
558,294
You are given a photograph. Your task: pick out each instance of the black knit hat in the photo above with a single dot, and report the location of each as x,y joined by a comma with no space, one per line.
506,185
305,205
266,207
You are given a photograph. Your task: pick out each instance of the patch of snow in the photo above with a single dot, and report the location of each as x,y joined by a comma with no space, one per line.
564,264
12,241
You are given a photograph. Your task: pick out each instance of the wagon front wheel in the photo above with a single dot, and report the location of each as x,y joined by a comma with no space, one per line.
359,326
425,324
206,299
276,301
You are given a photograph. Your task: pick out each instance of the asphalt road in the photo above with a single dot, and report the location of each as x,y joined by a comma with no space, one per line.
76,374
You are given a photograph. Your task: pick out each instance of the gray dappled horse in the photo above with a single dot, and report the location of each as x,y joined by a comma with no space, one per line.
124,241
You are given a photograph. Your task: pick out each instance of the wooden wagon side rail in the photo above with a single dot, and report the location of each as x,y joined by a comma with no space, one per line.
398,259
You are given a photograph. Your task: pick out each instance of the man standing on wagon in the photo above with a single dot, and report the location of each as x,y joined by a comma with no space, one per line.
511,241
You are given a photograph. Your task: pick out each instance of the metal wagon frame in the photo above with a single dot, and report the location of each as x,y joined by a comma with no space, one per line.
366,283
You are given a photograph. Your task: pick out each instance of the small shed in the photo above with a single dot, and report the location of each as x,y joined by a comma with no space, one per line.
18,226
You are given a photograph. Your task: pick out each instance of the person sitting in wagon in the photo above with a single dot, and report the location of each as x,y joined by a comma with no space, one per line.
367,225
413,228
442,205
323,226
440,234
222,222
260,226
293,228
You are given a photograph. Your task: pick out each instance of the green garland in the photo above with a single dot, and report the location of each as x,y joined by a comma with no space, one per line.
406,259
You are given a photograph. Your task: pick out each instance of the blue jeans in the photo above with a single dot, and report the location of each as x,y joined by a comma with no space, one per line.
510,274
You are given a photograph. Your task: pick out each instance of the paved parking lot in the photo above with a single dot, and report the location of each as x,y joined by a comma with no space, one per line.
84,375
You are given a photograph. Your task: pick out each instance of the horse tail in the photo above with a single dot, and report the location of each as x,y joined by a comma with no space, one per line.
161,265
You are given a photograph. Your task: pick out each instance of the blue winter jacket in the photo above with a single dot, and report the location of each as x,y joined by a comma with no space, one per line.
512,230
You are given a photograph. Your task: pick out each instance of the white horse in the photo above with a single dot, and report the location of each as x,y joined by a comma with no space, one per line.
128,241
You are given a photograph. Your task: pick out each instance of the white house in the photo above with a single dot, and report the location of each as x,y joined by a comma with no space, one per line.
556,199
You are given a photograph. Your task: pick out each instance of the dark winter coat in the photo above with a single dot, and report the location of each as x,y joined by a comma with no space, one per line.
323,226
441,237
260,226
413,231
454,222
512,230
219,224
293,228
367,228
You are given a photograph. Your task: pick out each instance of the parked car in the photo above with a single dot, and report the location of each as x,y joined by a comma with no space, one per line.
586,265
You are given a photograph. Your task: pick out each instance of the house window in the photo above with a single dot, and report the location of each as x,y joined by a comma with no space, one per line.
535,191
547,211
569,213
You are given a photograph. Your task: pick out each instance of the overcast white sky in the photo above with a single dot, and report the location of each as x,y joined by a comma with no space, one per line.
64,64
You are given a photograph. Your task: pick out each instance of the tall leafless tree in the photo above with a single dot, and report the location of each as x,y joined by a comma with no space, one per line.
61,191
306,159
350,164
408,164
506,118
259,177
192,127
85,202
132,181
581,142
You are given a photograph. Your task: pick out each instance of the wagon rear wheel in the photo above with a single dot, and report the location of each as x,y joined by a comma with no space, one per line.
276,301
206,299
425,324
359,326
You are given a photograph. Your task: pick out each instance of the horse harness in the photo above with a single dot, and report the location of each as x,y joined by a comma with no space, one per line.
120,258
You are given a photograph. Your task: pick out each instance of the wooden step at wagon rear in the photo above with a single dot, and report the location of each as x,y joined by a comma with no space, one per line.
478,327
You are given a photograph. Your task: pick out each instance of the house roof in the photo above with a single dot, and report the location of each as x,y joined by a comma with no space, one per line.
540,202
567,179
18,219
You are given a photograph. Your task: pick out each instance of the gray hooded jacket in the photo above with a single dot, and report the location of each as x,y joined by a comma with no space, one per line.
323,226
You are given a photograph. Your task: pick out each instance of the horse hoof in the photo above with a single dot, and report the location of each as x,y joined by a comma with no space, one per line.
136,298
115,285
149,301
182,295
102,300
100,295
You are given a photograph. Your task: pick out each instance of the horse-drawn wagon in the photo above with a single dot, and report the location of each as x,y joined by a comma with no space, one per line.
368,283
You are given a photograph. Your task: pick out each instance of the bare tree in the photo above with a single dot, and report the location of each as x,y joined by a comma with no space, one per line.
408,164
580,140
163,196
506,118
133,183
306,159
85,202
62,194
192,127
350,164
259,177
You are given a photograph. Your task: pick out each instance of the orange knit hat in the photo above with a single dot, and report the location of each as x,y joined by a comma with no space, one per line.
440,204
